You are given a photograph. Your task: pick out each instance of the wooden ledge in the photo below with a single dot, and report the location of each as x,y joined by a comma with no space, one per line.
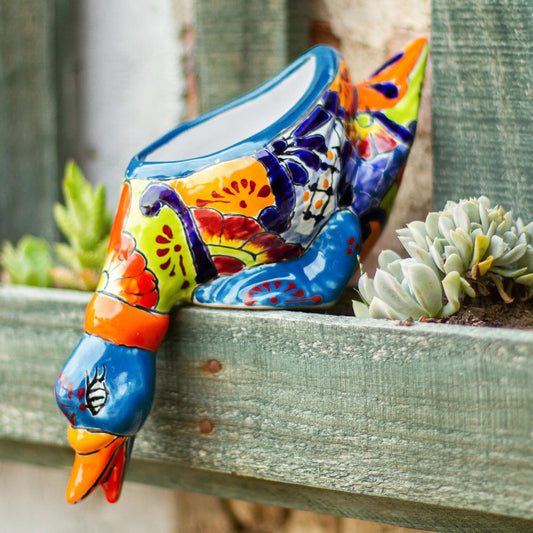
427,426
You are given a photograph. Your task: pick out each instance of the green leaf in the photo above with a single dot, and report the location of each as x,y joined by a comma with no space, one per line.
525,280
67,256
366,288
29,263
379,309
360,309
425,286
63,222
452,288
481,245
392,293
83,220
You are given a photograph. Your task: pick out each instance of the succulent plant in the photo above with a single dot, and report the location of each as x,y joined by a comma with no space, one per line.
466,245
27,263
86,224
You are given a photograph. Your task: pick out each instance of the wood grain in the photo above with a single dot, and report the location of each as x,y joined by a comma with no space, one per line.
427,426
239,44
482,55
36,112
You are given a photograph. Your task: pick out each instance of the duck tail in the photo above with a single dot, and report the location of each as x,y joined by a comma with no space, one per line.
384,130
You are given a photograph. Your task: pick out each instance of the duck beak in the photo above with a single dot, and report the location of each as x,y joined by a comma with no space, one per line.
100,459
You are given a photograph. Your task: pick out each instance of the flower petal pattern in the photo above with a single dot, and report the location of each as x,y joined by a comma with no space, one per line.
240,186
235,241
373,138
127,277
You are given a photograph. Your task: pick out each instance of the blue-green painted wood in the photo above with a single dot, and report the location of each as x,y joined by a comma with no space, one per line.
36,112
482,55
425,426
239,44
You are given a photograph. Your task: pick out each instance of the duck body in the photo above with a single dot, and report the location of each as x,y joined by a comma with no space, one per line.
266,202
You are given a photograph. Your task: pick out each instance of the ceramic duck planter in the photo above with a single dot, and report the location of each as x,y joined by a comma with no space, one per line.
272,200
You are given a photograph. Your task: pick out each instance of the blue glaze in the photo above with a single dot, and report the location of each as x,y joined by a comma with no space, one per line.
276,218
388,89
327,61
373,179
403,133
126,387
320,274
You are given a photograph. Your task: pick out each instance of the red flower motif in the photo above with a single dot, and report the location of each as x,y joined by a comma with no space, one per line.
373,138
236,241
227,265
127,276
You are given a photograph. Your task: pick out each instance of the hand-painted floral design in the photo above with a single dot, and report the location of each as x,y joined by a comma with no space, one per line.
343,86
125,274
298,163
127,277
347,95
235,192
69,409
282,292
235,241
372,137
300,153
389,84
167,248
121,216
240,187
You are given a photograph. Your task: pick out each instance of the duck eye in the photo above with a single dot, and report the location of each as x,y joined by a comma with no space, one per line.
96,391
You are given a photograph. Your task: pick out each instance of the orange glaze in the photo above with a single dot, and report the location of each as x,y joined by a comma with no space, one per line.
84,442
94,468
375,231
398,72
120,323
240,186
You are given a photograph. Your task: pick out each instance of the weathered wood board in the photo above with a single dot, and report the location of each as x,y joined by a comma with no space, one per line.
37,116
239,44
482,57
427,426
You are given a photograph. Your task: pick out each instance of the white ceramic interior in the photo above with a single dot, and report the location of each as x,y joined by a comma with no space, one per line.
240,122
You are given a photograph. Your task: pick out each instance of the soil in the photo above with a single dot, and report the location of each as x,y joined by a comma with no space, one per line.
491,311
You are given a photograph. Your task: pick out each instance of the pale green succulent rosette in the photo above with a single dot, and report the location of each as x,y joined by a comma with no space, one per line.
467,241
